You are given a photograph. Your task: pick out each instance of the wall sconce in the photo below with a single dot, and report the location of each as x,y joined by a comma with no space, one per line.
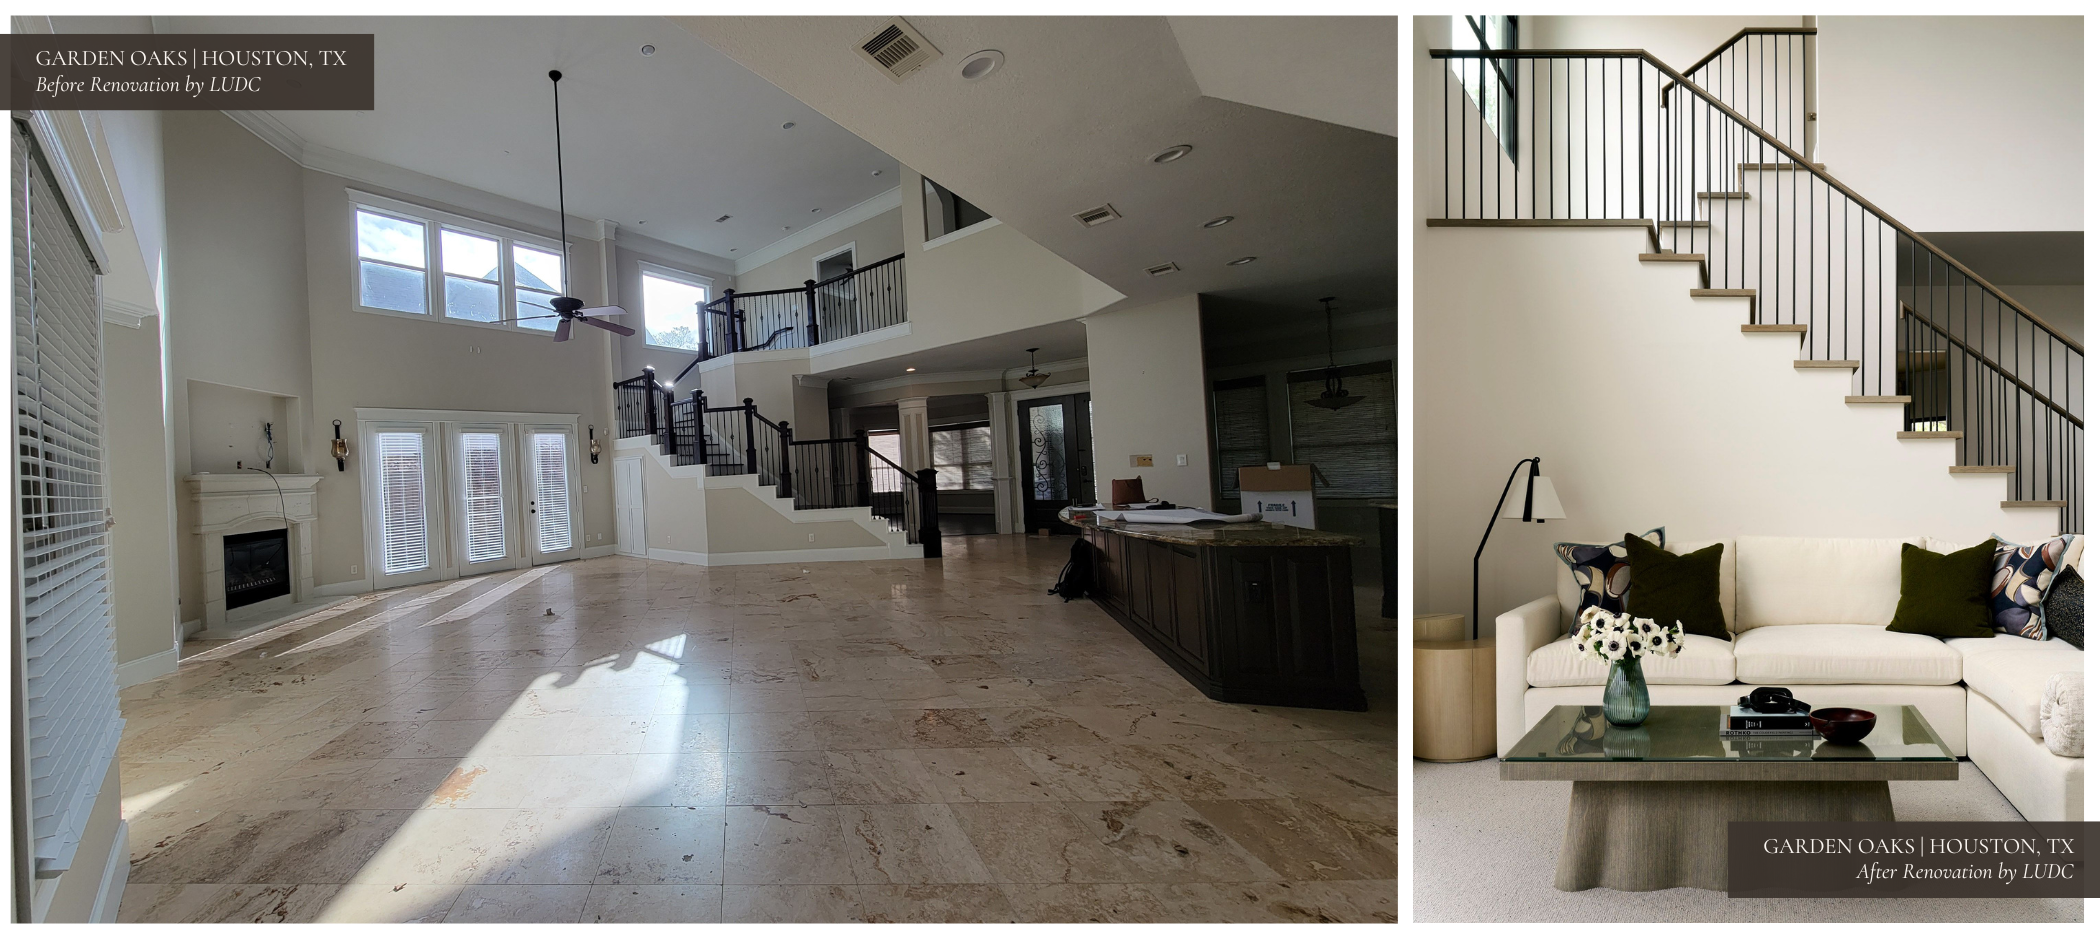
340,449
594,445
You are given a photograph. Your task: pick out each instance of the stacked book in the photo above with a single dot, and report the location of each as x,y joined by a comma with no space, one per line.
1743,721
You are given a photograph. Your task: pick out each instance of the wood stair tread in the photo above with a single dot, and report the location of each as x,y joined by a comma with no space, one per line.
1928,434
1540,223
1851,363
1680,258
1730,292
1877,398
1779,166
1724,195
2014,504
1961,470
1765,328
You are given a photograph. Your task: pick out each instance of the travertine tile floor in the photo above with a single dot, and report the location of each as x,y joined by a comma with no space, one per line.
618,740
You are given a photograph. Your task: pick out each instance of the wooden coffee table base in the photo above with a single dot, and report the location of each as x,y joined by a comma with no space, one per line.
1641,836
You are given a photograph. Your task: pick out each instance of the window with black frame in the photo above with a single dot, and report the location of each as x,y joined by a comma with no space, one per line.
1480,75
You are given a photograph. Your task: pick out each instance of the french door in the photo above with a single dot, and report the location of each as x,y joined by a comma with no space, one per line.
455,498
1057,460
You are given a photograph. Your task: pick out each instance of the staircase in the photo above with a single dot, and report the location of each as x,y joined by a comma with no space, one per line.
1619,139
807,481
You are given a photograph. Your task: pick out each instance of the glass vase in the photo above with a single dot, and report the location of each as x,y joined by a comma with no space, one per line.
1626,693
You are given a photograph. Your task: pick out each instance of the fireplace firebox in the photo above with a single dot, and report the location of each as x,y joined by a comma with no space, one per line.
258,567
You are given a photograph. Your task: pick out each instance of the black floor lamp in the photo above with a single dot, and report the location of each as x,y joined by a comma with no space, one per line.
1541,504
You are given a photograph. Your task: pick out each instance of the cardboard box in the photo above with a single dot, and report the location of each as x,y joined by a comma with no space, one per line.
1282,495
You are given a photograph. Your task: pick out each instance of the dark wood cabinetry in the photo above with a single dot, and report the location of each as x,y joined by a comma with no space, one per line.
1243,617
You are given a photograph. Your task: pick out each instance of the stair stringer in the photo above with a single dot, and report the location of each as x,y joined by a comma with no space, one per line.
716,526
1656,406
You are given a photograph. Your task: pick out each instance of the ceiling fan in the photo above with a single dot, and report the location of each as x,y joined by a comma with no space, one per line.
569,308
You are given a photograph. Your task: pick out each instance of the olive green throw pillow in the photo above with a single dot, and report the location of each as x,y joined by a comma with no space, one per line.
1670,587
1947,595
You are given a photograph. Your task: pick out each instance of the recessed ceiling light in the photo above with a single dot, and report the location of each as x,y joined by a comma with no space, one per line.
1243,260
911,369
1218,222
1171,154
876,173
648,50
791,228
979,64
734,250
790,125
816,210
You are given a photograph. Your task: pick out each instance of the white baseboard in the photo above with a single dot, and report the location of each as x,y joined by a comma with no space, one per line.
141,670
192,627
602,550
116,872
345,588
747,558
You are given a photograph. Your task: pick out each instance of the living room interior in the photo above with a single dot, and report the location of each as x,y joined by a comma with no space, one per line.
1739,367
623,475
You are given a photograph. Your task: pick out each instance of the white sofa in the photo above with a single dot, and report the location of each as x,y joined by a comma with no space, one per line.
1810,614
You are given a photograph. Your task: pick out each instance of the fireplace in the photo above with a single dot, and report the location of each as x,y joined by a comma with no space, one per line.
258,567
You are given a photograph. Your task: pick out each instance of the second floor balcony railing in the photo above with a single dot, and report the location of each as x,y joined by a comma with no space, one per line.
860,300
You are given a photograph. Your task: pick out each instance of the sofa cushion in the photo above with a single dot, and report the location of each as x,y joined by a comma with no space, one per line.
2065,607
2063,714
1842,654
1570,595
1703,661
1814,580
2012,677
1682,588
1601,573
1948,595
2021,579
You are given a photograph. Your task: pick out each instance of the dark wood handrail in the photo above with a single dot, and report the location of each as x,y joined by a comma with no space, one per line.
1738,37
1787,151
1992,365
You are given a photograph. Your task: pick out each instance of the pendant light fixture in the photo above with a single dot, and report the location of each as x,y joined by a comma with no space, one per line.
1335,397
1034,378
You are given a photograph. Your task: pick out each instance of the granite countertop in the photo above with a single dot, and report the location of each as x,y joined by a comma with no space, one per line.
1211,534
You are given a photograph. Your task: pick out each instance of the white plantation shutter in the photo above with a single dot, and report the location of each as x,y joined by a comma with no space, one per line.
483,475
404,532
69,723
550,473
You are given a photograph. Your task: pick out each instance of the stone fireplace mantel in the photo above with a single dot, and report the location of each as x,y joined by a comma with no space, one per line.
242,503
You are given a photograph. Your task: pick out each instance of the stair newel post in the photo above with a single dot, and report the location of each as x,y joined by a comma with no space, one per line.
699,400
787,461
929,513
750,437
736,320
809,300
649,373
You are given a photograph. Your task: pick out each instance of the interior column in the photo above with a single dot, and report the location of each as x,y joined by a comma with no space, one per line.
1005,491
914,436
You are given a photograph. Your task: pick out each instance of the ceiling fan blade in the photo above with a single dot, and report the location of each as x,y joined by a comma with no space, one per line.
561,332
602,311
612,327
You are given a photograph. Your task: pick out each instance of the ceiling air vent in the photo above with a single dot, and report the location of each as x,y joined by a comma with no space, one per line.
898,49
721,219
1163,269
1098,216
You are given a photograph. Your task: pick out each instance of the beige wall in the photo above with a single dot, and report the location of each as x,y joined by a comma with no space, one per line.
739,523
632,251
1147,400
877,238
140,491
236,284
226,428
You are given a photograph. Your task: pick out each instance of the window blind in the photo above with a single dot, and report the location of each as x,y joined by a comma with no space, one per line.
1240,409
1353,448
404,530
962,458
550,469
68,721
483,454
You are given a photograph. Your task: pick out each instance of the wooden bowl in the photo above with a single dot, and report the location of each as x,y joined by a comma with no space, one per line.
1842,724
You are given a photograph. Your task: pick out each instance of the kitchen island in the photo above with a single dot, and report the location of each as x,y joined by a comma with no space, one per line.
1251,612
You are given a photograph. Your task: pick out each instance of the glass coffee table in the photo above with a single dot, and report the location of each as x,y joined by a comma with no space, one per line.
1651,804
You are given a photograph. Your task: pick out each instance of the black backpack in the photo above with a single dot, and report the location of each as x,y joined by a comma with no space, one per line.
1077,578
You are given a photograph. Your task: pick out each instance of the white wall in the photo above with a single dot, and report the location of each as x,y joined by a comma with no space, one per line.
874,239
1677,40
1150,396
1968,123
633,251
139,493
1649,408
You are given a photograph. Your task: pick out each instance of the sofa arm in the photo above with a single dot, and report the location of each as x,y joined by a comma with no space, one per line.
1518,633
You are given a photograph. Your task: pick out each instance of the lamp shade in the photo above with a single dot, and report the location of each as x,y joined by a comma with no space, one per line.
1545,503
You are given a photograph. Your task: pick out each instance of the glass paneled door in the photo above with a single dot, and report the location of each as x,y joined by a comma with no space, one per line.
1057,459
483,496
551,492
402,490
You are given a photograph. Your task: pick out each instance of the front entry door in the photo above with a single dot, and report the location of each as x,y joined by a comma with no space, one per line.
1057,459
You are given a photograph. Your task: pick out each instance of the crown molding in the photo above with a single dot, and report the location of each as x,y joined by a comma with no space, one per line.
882,202
959,377
128,315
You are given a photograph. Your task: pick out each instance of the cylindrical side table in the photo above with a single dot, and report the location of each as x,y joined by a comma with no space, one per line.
1454,700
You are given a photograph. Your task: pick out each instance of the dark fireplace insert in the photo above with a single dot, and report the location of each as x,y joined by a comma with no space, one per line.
258,567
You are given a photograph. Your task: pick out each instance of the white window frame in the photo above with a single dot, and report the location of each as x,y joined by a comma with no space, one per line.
675,275
434,221
816,264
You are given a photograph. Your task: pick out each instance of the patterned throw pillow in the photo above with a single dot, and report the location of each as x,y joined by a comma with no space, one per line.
2065,607
1601,573
2021,581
